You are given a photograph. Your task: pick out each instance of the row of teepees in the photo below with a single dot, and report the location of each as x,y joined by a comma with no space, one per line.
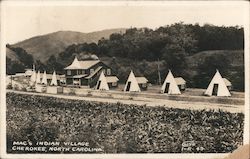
169,86
36,79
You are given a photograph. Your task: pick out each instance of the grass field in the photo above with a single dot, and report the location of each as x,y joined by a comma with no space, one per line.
120,128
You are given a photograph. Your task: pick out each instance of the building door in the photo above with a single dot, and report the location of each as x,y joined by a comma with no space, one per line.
128,86
215,90
180,87
166,88
98,84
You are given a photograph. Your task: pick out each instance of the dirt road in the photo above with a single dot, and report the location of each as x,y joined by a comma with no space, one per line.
148,102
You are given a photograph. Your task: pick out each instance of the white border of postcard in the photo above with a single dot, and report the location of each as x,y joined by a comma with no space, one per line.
4,15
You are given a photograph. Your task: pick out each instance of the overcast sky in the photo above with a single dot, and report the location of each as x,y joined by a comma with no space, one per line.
23,22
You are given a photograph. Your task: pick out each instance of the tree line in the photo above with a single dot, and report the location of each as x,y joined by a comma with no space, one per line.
24,60
176,39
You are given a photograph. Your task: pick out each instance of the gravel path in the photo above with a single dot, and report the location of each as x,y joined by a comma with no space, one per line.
149,102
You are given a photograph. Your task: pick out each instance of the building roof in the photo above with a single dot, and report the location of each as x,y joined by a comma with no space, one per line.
86,64
141,79
112,79
180,81
28,72
227,82
93,73
80,76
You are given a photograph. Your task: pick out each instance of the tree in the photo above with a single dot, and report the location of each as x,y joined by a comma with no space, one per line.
207,69
13,67
40,66
114,65
182,35
52,65
238,79
25,58
175,58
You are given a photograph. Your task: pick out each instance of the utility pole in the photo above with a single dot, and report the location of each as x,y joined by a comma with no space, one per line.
11,81
159,73
34,67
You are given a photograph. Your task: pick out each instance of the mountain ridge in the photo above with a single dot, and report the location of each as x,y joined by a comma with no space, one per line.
43,46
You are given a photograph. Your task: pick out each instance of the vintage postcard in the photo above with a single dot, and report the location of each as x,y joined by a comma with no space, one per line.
124,79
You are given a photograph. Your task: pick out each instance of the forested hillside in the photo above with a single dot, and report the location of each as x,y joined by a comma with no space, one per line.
190,51
17,59
42,47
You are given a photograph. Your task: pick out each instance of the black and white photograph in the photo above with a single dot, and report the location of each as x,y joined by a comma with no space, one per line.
124,78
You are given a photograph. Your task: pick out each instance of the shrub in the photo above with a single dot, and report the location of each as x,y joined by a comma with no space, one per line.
72,91
89,94
9,86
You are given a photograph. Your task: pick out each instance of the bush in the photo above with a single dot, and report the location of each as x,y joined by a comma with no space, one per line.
16,87
72,91
23,89
89,94
9,86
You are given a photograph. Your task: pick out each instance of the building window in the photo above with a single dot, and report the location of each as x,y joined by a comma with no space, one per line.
144,85
68,72
104,71
108,71
79,72
91,70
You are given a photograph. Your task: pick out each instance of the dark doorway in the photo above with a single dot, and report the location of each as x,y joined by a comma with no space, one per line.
179,86
98,85
215,90
128,86
166,88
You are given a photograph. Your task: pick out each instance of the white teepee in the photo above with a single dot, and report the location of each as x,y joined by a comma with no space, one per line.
170,86
217,86
38,78
54,80
132,84
33,77
102,83
44,79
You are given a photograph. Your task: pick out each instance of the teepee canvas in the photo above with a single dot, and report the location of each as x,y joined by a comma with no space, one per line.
217,86
102,83
54,80
132,84
33,78
38,78
170,86
44,79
